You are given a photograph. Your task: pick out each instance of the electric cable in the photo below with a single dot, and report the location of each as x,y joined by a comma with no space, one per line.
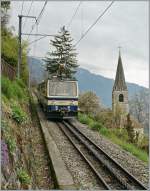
100,16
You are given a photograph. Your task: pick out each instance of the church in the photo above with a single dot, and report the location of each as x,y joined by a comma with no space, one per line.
120,91
120,102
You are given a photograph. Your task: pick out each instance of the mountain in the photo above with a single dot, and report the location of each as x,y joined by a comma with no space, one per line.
101,85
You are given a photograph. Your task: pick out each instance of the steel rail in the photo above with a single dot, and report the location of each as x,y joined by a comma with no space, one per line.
126,178
106,186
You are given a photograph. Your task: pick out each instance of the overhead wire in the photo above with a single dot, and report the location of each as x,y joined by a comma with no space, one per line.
28,13
39,39
22,7
99,17
38,19
75,12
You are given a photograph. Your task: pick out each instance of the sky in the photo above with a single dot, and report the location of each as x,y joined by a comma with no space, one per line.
125,24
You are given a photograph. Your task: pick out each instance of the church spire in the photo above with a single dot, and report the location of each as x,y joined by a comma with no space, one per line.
120,83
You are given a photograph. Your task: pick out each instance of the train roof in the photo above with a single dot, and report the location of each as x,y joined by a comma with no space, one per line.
59,80
56,78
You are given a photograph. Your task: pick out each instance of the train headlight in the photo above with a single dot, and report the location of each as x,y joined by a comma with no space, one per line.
56,107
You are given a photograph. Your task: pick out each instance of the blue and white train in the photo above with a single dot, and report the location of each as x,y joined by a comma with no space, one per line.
59,98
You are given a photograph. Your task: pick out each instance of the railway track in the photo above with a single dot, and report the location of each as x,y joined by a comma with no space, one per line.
109,173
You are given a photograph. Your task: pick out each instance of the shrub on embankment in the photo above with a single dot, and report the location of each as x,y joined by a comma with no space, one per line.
15,90
15,123
118,136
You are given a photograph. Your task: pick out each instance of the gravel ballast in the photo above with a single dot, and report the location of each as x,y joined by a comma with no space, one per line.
135,166
83,176
81,173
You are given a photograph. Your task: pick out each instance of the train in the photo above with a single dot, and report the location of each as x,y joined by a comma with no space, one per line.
58,98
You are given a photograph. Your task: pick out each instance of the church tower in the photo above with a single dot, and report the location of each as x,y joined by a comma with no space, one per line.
120,91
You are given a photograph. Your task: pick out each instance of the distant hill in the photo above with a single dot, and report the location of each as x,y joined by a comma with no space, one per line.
101,85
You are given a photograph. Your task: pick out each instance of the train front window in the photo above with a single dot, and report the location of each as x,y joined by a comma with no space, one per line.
66,89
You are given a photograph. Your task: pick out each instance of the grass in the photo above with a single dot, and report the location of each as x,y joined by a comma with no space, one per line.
13,90
24,178
7,133
122,142
118,136
18,114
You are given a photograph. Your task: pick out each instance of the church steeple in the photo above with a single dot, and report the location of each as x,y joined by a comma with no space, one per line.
120,83
120,92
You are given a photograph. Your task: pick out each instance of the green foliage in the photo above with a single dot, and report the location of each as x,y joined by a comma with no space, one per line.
121,139
62,60
14,89
130,129
105,117
9,47
5,6
84,119
5,99
18,114
96,126
9,52
144,144
20,83
142,155
23,176
7,134
4,126
89,103
11,144
118,136
104,131
7,88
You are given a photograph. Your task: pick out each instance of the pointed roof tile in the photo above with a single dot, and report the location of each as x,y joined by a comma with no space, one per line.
120,83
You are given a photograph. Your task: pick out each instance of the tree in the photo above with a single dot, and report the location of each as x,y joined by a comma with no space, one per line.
5,6
89,103
130,129
62,60
139,107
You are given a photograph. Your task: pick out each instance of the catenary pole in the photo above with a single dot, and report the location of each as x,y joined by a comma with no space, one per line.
19,42
19,45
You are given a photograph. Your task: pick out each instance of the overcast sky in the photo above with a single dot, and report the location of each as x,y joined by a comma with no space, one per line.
125,24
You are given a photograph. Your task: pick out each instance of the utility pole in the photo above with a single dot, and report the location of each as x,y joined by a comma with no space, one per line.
19,42
19,45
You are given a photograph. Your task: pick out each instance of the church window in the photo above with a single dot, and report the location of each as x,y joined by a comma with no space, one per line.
121,98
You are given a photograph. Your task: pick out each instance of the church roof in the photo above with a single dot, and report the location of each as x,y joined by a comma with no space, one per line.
120,83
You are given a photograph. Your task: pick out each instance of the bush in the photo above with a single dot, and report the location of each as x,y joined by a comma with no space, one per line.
121,133
89,102
23,176
18,115
118,136
96,126
11,144
135,151
5,99
7,88
144,144
14,89
84,119
104,131
105,117
21,83
7,134
4,126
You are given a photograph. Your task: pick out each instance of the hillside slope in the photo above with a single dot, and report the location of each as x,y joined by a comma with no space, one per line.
101,85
